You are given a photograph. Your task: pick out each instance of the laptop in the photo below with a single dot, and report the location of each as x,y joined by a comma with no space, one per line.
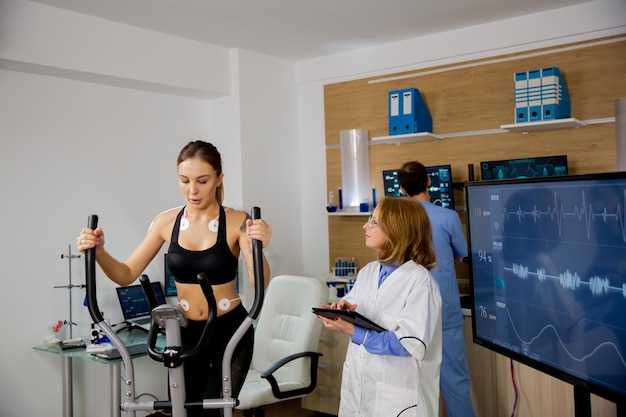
134,304
133,350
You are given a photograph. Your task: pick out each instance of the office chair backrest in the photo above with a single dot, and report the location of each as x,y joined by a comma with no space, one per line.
286,324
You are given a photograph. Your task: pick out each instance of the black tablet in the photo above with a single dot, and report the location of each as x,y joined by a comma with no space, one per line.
349,316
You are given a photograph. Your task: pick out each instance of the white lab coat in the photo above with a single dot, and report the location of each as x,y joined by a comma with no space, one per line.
409,304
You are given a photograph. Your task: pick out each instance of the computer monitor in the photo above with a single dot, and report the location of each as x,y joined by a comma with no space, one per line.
548,277
440,190
541,166
391,183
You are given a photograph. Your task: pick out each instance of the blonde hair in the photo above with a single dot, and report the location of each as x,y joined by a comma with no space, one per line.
406,224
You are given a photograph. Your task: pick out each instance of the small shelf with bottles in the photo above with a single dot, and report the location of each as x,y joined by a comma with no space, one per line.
334,210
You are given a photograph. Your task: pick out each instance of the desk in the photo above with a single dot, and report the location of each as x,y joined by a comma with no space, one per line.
132,337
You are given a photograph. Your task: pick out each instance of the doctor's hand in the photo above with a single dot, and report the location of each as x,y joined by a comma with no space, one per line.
338,324
341,305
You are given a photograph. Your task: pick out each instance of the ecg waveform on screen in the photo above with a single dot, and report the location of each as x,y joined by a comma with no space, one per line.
608,345
583,213
569,280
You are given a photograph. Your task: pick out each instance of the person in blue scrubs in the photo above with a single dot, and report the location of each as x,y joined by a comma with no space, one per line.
450,246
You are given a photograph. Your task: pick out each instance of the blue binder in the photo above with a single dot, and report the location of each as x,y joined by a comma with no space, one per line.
521,97
408,112
540,94
555,98
395,119
534,95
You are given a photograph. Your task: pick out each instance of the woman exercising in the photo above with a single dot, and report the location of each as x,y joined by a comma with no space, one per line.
203,236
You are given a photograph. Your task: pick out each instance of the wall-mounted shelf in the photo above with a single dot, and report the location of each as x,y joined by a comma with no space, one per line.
410,137
544,125
512,128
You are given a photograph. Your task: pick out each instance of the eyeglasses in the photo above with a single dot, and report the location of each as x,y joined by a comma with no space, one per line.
373,224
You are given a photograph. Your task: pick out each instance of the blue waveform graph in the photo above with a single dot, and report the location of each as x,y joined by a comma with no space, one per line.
568,280
551,343
581,212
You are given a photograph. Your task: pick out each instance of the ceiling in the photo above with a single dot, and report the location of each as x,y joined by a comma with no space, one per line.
299,29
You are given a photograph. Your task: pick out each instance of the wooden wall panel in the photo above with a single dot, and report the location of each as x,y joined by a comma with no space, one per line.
474,98
481,97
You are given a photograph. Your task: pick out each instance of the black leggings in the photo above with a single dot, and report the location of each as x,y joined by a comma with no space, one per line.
203,372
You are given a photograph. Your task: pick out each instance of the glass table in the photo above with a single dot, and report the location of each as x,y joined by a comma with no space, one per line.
128,337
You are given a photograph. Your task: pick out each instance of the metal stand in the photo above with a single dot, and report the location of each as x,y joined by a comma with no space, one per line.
70,286
68,394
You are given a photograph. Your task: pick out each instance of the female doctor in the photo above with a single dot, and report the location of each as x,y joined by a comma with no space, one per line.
394,373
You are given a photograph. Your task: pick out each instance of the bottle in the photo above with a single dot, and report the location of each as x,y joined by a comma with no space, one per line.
331,207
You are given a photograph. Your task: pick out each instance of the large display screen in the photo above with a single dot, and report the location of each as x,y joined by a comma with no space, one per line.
548,275
440,190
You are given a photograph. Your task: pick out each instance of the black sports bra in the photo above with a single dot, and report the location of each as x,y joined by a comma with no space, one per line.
218,262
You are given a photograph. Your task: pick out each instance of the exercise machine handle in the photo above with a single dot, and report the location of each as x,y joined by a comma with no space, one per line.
148,290
128,375
90,276
259,279
259,292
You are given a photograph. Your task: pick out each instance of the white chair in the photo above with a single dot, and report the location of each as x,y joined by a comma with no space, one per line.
284,360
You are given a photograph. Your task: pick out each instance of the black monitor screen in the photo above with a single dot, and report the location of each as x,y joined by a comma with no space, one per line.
391,184
440,189
170,282
543,166
548,275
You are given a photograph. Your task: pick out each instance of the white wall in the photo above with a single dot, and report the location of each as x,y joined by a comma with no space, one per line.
270,153
70,148
46,40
